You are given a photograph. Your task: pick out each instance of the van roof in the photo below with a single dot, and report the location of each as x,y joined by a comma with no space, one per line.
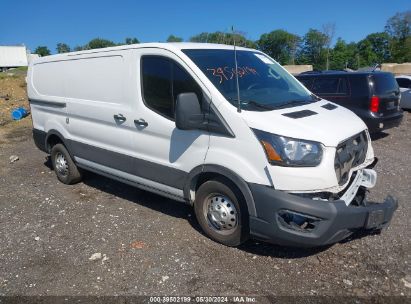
340,73
172,46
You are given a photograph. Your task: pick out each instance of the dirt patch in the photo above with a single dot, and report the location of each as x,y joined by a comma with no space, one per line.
13,94
16,131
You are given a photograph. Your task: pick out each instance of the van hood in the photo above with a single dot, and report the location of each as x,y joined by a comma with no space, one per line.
321,121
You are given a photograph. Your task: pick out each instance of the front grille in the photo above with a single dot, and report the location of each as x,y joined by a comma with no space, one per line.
350,153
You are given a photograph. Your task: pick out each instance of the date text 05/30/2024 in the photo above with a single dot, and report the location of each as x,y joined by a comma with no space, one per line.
202,299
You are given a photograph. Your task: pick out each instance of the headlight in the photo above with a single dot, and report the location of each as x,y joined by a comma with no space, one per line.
289,152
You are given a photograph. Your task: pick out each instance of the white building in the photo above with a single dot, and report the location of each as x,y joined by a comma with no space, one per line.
12,56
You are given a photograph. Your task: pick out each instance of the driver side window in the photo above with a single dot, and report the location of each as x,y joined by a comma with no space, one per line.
162,81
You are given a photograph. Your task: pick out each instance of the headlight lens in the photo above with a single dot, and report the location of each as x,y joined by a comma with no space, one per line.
290,152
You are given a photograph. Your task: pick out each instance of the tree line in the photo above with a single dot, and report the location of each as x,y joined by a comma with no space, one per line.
315,47
95,43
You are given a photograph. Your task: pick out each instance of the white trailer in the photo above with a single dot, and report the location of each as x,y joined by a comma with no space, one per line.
13,56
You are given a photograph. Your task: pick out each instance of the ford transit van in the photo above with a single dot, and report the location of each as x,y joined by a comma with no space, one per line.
226,130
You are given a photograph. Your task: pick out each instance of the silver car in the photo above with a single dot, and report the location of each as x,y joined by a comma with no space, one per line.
404,82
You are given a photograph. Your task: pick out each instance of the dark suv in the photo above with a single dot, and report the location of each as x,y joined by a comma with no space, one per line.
373,96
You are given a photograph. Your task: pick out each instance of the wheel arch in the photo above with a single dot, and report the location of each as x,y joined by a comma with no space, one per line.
202,173
54,137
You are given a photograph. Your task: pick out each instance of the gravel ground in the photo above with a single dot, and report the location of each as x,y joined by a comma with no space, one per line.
101,237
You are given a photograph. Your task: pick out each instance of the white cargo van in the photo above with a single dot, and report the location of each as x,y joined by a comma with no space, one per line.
226,130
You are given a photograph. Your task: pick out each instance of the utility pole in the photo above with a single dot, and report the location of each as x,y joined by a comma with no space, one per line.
328,31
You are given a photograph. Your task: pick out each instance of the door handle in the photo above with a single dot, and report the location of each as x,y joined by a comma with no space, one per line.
119,117
141,122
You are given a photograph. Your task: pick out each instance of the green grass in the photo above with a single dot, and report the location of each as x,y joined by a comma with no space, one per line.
23,68
14,73
5,75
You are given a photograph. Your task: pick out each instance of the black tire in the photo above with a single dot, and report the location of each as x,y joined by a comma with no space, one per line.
211,191
71,174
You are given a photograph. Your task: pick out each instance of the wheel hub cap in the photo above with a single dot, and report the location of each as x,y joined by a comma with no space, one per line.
61,164
221,213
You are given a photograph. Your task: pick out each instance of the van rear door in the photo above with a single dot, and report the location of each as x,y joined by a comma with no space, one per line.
45,88
385,89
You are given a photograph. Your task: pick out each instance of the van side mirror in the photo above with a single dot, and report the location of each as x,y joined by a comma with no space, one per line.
188,112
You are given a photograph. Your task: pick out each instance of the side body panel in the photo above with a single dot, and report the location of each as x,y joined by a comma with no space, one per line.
97,89
405,98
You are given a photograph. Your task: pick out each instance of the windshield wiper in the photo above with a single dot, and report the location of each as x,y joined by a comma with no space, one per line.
273,107
253,103
256,104
315,97
293,103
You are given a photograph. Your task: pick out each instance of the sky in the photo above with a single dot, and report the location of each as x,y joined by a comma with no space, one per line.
46,22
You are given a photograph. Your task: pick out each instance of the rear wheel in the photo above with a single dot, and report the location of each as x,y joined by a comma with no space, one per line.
221,212
66,170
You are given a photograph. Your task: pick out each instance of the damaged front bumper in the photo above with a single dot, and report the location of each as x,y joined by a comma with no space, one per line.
292,220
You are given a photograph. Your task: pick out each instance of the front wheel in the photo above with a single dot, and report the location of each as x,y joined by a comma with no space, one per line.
66,170
221,212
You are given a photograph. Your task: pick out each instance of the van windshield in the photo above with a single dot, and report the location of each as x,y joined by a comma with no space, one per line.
263,84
